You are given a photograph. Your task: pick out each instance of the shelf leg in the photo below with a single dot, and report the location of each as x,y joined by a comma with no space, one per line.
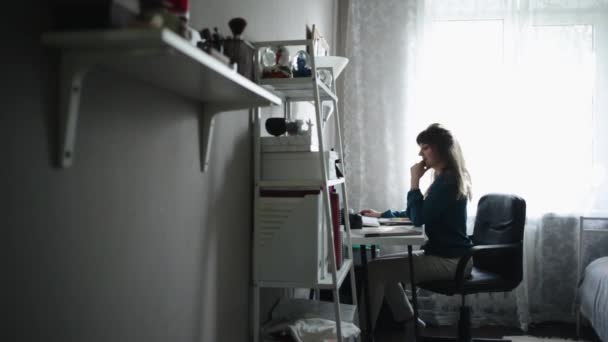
72,75
329,225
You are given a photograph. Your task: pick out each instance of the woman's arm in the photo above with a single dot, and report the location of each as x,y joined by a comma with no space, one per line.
394,213
386,214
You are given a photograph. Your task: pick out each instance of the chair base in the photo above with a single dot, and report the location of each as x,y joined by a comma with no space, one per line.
453,339
464,331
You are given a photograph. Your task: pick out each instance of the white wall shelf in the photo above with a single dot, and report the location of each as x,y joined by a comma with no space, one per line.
158,57
298,89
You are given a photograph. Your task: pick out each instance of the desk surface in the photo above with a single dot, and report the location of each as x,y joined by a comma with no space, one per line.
413,240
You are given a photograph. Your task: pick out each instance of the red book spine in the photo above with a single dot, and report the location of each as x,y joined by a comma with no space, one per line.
335,216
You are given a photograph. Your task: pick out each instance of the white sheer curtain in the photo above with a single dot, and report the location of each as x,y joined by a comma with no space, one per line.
517,81
379,42
524,87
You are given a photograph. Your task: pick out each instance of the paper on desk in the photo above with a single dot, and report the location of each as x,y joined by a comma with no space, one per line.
395,221
368,221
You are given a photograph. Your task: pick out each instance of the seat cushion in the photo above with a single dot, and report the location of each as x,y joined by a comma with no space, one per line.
479,282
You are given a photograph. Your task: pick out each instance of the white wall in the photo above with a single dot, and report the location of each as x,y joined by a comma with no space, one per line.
133,242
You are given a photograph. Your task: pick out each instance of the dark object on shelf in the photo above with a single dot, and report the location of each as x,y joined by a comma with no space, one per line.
240,51
211,40
95,14
237,26
218,40
334,200
292,128
339,172
356,222
205,43
276,126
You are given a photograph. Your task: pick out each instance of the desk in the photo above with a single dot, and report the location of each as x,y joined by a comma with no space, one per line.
407,240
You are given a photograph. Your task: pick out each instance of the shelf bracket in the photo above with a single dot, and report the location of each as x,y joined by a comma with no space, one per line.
72,74
74,67
206,124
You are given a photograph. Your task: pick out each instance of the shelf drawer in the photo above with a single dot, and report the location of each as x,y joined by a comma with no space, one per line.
289,238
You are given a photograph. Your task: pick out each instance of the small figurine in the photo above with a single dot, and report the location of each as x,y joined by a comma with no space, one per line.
310,124
276,64
301,66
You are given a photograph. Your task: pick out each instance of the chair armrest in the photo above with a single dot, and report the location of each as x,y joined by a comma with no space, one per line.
476,249
462,263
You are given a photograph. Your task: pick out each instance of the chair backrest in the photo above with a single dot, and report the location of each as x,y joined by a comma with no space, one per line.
500,220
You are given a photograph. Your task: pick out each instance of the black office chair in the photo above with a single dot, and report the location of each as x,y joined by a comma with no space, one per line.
497,257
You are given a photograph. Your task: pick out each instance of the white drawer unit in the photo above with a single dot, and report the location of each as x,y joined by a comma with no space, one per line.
290,241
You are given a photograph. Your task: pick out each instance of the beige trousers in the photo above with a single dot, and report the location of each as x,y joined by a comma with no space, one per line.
385,275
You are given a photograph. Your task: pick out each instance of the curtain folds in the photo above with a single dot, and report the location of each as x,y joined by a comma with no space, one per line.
523,84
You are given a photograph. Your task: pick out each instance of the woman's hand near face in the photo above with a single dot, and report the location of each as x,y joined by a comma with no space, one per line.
370,212
417,171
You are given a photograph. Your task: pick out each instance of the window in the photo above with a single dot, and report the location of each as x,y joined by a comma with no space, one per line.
520,97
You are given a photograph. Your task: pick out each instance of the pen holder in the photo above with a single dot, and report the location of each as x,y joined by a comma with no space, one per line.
240,52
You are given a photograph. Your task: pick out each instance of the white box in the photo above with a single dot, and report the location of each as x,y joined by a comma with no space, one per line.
290,241
290,143
296,165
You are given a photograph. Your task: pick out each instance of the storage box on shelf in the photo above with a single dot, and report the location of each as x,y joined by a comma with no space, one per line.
291,143
297,166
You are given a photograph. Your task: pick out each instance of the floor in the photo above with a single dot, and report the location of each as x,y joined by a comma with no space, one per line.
558,330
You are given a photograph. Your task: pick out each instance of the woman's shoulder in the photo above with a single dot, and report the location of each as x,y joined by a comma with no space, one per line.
447,177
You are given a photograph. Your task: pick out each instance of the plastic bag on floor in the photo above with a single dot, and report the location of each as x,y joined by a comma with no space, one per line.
311,329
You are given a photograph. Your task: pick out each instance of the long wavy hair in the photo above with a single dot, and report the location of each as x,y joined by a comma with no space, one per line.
447,148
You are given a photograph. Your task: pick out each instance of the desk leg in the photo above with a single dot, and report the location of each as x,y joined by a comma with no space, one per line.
414,298
368,322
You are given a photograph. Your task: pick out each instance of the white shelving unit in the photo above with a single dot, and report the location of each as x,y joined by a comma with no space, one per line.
158,57
270,218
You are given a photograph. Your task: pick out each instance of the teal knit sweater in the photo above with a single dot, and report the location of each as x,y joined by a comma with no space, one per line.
443,215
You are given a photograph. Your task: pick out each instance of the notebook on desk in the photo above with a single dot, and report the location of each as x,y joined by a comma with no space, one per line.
395,221
391,231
